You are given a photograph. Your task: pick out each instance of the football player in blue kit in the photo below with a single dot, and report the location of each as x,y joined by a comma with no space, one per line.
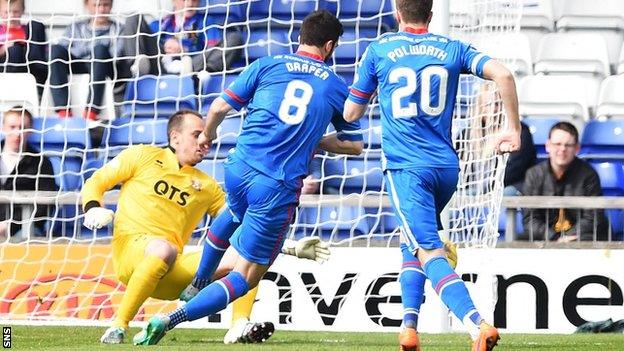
416,75
290,99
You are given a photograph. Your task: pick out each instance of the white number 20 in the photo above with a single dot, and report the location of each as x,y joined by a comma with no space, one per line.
411,110
298,101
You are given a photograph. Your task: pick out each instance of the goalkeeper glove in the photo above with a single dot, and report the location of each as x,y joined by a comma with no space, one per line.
311,248
451,253
98,217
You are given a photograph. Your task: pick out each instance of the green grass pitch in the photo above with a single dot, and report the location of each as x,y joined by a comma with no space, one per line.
87,338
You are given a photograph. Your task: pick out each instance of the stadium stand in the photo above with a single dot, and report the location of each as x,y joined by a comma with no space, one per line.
562,54
610,102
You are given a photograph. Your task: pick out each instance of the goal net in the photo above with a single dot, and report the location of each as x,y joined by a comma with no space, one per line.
90,99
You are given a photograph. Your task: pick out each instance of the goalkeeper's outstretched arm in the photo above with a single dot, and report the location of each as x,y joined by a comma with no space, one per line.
312,248
118,170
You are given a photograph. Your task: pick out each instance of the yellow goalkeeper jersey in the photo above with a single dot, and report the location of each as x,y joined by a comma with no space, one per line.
158,197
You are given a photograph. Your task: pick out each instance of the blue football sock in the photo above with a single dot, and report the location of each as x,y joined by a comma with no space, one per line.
216,296
451,288
412,280
217,241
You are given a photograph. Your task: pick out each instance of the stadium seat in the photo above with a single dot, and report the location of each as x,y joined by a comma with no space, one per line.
371,132
125,131
603,139
611,177
353,175
353,44
159,96
230,11
261,43
61,135
616,219
281,11
462,14
565,96
611,98
364,13
538,14
336,222
227,133
513,49
540,128
213,168
347,75
90,167
67,171
502,223
19,89
573,53
620,66
211,88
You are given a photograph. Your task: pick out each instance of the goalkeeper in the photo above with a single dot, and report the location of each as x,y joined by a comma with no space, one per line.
162,199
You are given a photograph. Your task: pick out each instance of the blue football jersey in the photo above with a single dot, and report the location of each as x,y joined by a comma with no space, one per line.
291,99
417,74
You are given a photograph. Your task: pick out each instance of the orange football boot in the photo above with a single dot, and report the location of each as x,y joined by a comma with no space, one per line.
488,338
408,340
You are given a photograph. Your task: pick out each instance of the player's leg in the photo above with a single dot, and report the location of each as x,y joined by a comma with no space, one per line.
258,241
215,245
149,259
430,190
242,307
412,279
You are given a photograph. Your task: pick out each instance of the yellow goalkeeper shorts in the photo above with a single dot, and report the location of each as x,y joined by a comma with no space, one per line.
128,252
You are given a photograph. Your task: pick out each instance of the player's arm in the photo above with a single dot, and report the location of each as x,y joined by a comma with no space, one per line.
332,143
363,87
509,140
118,170
218,109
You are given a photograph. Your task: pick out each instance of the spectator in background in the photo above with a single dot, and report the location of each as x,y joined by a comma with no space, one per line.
563,174
186,41
22,168
88,46
23,47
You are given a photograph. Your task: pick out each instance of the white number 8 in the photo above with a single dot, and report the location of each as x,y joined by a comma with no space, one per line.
300,103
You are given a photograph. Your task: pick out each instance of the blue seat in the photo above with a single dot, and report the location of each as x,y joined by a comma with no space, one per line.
364,13
227,133
60,135
611,177
353,175
261,43
336,222
229,10
502,222
127,131
540,128
603,139
371,132
159,96
284,11
91,166
346,75
67,171
616,219
381,220
213,168
212,87
352,45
